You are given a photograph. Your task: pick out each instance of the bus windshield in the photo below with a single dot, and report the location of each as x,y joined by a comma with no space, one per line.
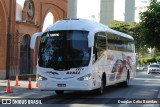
63,50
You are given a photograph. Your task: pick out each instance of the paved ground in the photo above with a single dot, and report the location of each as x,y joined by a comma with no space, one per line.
143,86
22,90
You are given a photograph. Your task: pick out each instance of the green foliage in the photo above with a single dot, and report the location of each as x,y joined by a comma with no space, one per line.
154,52
149,60
158,58
150,24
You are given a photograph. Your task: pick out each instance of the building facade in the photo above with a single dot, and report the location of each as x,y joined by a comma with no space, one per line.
19,19
104,11
122,10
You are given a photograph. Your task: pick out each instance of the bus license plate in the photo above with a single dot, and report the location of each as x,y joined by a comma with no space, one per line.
61,85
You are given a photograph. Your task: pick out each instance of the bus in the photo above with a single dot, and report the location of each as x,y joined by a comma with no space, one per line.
80,54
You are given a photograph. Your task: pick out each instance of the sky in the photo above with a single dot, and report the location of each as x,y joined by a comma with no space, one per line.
88,9
21,2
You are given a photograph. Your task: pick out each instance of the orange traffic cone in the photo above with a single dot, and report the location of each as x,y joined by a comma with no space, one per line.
29,84
17,83
8,88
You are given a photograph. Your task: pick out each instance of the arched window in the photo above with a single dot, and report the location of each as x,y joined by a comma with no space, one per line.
25,56
49,19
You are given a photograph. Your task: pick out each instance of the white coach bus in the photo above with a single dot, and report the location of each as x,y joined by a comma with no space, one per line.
79,54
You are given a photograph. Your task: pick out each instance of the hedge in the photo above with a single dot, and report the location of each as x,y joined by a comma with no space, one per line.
149,60
158,58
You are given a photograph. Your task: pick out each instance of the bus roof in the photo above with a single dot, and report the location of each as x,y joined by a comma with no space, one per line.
119,33
83,24
76,24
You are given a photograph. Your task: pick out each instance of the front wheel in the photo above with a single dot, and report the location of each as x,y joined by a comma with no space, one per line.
59,92
100,90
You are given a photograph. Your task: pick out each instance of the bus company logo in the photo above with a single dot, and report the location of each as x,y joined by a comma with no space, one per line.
79,69
73,72
50,72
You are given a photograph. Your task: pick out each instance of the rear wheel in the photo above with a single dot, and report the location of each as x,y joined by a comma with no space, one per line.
125,83
59,92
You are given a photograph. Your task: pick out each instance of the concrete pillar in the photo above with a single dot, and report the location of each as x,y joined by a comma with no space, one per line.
106,11
72,9
129,10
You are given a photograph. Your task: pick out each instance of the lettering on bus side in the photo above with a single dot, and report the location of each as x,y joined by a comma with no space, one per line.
50,72
80,69
73,72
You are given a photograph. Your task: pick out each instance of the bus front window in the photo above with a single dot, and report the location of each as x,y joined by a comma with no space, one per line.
62,50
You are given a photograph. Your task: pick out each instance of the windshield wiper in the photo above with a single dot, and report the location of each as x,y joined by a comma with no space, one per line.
61,69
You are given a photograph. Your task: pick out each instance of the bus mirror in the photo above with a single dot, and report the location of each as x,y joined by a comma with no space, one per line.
90,40
33,39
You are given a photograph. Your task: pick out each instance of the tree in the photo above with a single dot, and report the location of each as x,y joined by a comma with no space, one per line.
150,23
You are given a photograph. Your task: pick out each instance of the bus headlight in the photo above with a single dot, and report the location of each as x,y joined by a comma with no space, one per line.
86,77
40,78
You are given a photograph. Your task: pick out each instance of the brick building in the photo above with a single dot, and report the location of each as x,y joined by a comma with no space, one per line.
18,21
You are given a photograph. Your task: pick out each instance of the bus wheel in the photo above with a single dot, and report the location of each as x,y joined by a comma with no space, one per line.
59,92
100,90
125,83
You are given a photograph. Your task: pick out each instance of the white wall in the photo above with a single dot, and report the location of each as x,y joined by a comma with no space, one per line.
129,10
19,8
140,6
106,11
119,10
72,9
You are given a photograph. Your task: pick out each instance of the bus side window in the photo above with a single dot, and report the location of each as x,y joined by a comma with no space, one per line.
99,45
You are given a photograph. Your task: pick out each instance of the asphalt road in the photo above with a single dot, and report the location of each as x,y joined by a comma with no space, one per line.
142,91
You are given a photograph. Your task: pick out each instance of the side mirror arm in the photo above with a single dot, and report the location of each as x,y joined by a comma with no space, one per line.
33,39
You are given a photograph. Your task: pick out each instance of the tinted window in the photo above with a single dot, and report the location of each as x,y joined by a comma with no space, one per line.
157,66
119,43
99,45
64,49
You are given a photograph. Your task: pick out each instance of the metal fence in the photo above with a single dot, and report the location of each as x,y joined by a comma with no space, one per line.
19,54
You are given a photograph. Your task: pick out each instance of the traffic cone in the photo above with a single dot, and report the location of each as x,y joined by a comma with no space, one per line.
17,83
8,88
29,84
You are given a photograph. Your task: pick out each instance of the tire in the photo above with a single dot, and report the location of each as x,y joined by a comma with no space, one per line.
125,83
59,92
100,90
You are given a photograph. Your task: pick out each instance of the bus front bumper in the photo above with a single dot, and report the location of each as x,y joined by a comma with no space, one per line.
65,85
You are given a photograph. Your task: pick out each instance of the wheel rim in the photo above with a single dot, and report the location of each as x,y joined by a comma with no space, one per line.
102,87
127,81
